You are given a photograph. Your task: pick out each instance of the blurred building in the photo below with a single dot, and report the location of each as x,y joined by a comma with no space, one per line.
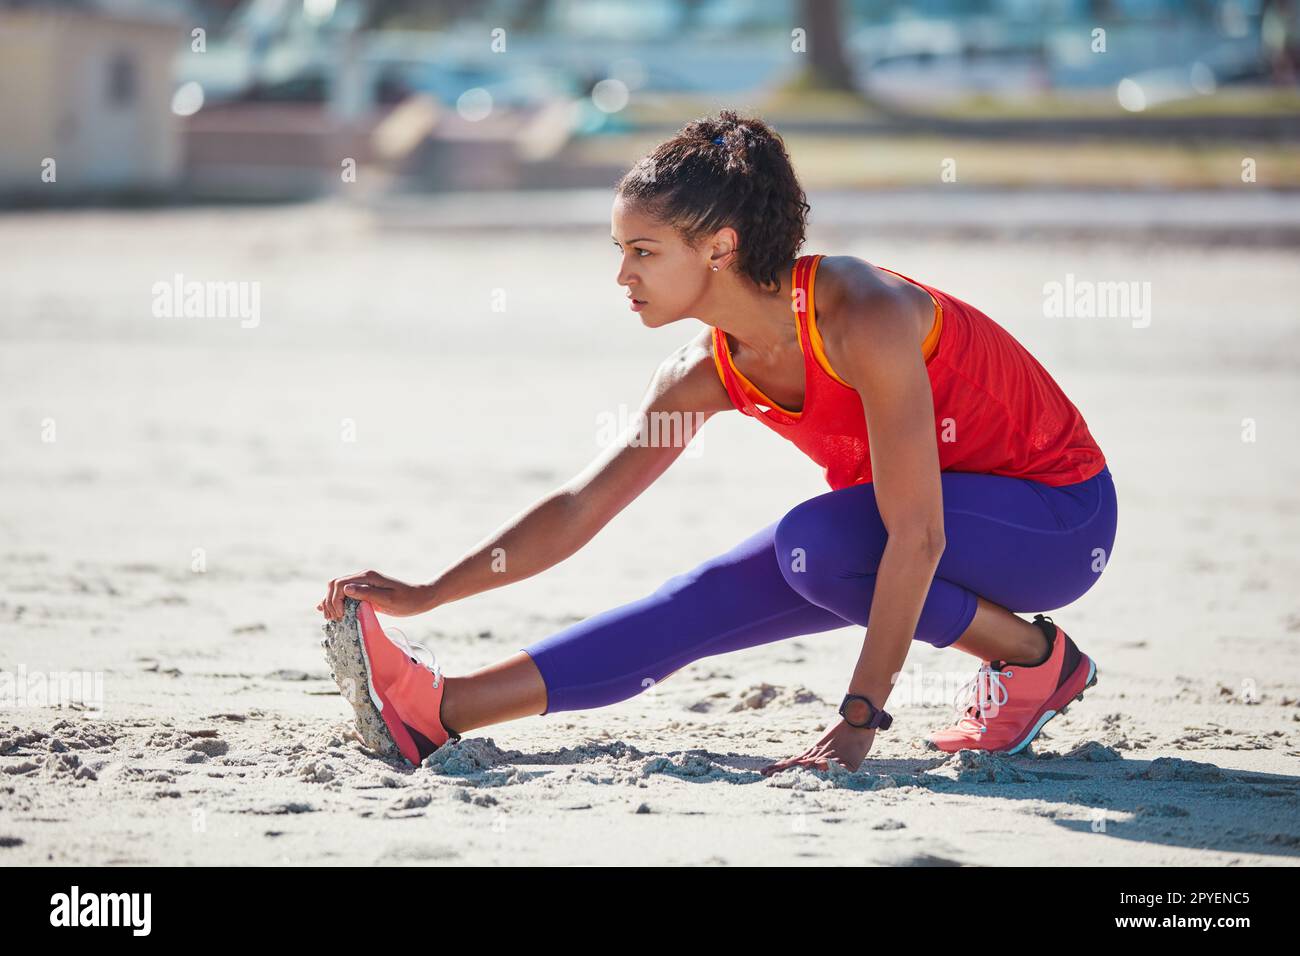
90,90
291,99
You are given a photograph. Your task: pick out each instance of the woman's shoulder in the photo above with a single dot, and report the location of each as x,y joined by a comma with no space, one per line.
844,283
849,293
691,376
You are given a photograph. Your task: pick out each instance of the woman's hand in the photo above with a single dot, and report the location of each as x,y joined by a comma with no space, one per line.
387,595
843,743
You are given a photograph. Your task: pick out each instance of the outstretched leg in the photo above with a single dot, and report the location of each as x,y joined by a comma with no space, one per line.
735,600
738,599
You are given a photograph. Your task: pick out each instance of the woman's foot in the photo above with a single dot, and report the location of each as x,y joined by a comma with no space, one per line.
397,698
1006,705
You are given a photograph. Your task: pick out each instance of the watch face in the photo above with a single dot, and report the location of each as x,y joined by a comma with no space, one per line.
857,712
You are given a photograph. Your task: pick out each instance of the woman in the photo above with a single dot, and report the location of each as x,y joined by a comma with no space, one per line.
981,492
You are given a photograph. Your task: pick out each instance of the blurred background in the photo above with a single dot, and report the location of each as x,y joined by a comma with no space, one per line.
258,99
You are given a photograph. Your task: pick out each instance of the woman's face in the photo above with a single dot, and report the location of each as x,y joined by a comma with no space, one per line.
657,266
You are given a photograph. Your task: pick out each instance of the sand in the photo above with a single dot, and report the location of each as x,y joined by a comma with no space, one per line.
173,540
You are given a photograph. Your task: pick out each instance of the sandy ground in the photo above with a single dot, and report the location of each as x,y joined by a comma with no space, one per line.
215,734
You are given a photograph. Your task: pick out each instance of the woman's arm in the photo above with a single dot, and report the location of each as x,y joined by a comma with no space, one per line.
876,350
882,360
560,523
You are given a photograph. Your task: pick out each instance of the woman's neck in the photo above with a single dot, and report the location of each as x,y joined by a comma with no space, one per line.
761,319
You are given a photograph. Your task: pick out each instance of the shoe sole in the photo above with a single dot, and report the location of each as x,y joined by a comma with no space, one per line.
1076,694
345,649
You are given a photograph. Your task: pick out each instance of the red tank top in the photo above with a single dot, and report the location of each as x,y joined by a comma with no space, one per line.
996,410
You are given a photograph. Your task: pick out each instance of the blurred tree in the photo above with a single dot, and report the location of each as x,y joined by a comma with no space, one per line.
531,14
828,66
1278,38
415,14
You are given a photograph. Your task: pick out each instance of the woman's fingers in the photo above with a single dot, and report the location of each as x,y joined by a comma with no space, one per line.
362,585
818,756
367,585
334,602
782,764
368,592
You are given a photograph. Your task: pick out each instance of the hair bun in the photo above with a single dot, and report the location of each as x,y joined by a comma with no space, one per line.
726,170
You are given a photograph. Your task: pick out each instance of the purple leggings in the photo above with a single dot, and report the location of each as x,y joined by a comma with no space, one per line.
1019,543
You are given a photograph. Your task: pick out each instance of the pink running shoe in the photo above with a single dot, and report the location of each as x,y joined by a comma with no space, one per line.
396,696
1005,705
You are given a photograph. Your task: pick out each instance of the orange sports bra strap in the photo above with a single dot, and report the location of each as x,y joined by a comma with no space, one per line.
732,387
799,286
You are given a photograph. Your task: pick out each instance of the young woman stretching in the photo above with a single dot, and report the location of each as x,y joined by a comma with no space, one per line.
981,492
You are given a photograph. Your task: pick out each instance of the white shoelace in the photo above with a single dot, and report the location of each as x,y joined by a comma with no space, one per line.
975,696
416,650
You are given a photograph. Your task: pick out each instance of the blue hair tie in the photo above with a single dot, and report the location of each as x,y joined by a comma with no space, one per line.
718,140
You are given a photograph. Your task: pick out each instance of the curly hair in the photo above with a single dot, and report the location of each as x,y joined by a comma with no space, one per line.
721,171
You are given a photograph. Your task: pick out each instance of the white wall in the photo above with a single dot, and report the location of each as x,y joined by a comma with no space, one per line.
55,69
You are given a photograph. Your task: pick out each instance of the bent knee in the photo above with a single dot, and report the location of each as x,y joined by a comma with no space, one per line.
813,542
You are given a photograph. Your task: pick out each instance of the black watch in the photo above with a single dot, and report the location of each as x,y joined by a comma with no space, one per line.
879,719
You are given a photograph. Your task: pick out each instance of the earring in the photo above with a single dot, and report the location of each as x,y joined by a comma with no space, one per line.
715,268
